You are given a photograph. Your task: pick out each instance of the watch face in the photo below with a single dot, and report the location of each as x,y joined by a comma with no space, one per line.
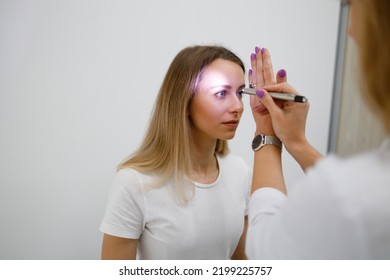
256,143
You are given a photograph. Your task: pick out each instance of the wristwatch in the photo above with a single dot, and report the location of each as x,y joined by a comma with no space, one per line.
261,140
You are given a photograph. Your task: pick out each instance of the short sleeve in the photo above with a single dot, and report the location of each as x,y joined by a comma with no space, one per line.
125,211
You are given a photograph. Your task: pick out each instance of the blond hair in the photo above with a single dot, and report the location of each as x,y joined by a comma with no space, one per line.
166,149
374,45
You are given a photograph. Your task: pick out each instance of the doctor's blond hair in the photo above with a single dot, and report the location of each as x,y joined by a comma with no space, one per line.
166,149
374,47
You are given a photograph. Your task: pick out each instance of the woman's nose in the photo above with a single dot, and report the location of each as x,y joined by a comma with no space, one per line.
237,105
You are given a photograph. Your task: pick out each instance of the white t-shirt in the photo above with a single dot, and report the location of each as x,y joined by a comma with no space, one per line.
341,210
207,227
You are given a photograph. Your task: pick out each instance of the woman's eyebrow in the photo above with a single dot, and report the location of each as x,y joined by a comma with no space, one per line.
221,86
226,86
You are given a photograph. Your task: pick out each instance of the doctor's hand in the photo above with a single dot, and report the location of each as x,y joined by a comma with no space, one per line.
289,123
285,119
262,74
288,120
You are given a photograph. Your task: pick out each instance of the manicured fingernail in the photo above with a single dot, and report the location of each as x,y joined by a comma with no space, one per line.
250,72
260,93
253,56
257,49
282,73
262,50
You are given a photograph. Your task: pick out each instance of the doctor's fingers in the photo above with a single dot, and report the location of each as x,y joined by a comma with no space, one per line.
266,67
281,76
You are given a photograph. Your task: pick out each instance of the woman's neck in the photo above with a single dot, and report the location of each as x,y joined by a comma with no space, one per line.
205,165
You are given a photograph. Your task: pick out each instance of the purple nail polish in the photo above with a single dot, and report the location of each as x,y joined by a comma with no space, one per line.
257,49
250,72
253,56
262,50
260,93
282,73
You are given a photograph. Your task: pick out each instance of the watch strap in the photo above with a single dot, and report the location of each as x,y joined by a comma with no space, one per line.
261,140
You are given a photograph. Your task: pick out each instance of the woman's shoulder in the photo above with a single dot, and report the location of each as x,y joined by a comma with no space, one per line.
127,173
131,178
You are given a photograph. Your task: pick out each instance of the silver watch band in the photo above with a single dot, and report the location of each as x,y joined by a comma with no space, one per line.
261,140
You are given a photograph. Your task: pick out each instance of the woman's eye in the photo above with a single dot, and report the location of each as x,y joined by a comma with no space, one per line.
239,94
221,94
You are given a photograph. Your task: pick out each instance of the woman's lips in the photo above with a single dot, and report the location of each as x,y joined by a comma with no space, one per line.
232,124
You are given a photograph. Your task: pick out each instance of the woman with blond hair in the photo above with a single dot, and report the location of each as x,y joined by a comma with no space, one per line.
181,195
341,210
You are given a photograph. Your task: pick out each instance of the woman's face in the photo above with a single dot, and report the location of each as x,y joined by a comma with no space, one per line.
216,107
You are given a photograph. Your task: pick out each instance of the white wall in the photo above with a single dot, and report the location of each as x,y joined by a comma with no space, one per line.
77,82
